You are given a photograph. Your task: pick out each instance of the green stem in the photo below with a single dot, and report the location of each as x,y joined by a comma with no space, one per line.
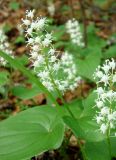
84,22
109,143
67,107
30,75
57,90
82,150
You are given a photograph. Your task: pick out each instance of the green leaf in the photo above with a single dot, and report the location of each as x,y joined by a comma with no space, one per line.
23,59
99,2
113,146
110,53
84,128
100,150
95,42
89,105
24,92
14,5
59,32
7,28
30,133
20,39
87,67
16,64
4,78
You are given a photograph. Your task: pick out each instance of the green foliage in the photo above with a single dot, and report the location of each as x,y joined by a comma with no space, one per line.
89,105
4,78
109,53
24,92
23,60
87,66
100,2
4,82
7,28
30,133
40,129
20,39
26,72
84,128
99,150
14,5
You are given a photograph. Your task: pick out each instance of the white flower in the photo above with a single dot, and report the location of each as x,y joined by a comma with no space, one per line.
51,51
37,40
41,23
106,68
103,128
30,13
48,85
111,117
44,74
56,66
35,48
105,79
104,111
51,8
5,47
34,55
99,119
99,74
112,125
34,25
35,64
40,59
106,76
73,29
99,104
100,90
49,67
26,22
53,58
114,78
29,31
30,41
46,42
112,64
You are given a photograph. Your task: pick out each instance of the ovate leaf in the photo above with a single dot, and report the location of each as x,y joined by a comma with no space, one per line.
30,133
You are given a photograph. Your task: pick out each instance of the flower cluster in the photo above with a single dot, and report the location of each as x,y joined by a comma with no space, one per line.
54,70
106,101
51,8
4,46
73,29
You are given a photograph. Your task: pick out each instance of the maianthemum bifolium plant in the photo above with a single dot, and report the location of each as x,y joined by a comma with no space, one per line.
54,73
40,129
4,46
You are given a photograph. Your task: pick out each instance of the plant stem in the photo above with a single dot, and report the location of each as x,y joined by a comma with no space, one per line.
109,143
57,90
30,75
70,112
84,22
71,6
82,150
